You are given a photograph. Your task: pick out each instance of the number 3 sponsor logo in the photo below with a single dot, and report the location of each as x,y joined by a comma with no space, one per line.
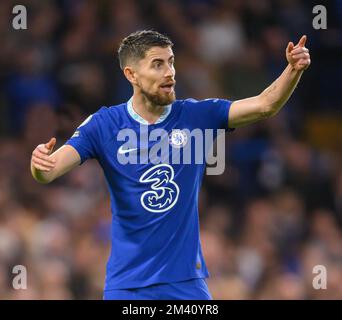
164,192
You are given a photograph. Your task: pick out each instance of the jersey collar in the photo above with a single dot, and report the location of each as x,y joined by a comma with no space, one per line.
135,116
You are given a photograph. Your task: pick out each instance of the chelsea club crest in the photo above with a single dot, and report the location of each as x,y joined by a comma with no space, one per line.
178,138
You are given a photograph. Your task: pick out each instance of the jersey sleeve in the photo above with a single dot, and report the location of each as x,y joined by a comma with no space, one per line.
85,140
211,113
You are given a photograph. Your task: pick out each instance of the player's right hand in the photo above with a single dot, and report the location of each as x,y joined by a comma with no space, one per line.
40,156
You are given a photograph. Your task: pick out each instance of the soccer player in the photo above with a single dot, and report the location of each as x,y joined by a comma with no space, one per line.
156,251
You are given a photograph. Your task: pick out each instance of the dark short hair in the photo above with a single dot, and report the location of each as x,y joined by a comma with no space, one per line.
136,44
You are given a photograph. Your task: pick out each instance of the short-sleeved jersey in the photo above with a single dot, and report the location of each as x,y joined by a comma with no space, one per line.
154,205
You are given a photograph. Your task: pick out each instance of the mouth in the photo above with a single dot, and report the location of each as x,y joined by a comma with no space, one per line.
168,87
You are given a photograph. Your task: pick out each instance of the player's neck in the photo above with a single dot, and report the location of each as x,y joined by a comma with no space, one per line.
146,109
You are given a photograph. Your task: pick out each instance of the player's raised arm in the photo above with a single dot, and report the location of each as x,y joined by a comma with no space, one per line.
271,100
47,166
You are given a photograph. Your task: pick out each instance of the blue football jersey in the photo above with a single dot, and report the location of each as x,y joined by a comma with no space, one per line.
154,205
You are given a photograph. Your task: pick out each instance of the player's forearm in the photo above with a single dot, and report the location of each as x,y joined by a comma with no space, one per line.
276,95
65,159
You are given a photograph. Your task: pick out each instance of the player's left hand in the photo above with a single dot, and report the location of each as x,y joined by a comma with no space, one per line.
297,55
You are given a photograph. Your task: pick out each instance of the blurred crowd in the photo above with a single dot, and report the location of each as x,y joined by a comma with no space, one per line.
275,213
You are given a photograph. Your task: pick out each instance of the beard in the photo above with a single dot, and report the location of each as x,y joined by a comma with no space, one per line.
160,99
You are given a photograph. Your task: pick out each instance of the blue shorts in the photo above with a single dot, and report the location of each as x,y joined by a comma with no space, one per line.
194,289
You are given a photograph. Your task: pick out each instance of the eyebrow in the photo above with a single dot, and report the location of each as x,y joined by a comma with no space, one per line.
161,60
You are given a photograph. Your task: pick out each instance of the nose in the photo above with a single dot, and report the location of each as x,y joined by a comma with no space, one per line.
170,72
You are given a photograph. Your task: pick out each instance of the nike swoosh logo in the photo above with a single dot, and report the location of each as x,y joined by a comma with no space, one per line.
123,151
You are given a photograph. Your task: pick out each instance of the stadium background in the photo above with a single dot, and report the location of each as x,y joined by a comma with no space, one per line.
272,216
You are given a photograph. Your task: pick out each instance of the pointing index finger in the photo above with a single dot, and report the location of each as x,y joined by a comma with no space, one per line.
302,41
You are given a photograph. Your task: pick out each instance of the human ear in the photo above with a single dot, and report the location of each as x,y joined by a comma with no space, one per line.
130,74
